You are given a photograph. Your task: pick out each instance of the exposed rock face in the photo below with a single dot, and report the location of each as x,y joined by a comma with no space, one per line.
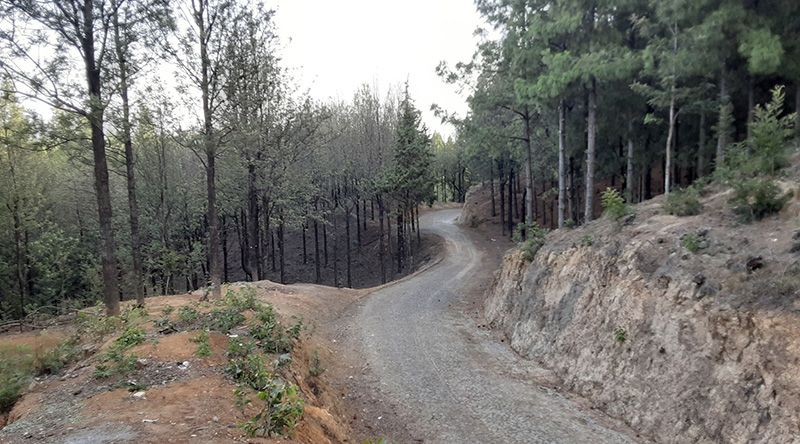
707,347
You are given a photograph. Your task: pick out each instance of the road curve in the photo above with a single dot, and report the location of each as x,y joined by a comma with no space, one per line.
451,381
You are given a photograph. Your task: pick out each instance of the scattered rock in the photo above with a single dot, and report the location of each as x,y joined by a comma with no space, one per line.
139,395
754,263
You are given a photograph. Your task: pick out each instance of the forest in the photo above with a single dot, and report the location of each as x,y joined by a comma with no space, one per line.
177,151
135,186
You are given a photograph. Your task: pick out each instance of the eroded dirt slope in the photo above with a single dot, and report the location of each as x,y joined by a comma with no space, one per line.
684,346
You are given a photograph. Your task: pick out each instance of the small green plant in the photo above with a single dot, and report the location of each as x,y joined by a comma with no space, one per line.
187,315
95,324
315,368
203,346
683,202
282,408
529,238
586,240
116,361
55,359
569,223
134,315
376,441
223,320
755,199
691,242
14,382
250,370
620,335
614,205
243,299
167,310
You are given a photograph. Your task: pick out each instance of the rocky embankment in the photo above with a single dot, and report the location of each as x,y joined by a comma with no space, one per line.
685,341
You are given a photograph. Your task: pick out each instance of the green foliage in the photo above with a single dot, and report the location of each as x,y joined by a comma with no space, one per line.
272,337
250,370
315,368
691,242
95,324
282,408
55,359
763,51
614,205
586,240
223,320
116,361
203,346
683,202
620,335
187,315
755,199
241,300
19,363
529,238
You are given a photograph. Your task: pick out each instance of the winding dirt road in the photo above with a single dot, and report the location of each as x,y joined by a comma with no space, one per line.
447,380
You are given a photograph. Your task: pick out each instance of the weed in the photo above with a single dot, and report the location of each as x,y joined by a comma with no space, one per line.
134,315
243,299
96,325
187,315
683,202
223,320
203,346
614,205
376,441
116,361
167,310
755,199
691,242
249,370
586,240
315,367
530,238
282,409
240,348
14,383
130,337
55,359
620,335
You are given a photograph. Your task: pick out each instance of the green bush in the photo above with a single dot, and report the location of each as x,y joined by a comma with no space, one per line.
755,199
620,335
203,346
13,384
243,299
283,407
187,315
691,242
223,320
530,238
683,202
614,205
315,367
115,361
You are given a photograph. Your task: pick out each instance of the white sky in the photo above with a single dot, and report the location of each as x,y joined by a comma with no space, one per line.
336,45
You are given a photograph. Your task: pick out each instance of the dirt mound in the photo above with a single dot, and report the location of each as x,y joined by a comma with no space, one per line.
685,327
171,394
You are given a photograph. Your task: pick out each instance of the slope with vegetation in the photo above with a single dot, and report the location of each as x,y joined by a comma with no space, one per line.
220,371
678,315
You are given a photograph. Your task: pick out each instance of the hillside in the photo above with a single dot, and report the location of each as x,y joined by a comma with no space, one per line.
149,376
686,328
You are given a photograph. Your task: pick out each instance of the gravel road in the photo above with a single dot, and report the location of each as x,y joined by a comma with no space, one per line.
451,381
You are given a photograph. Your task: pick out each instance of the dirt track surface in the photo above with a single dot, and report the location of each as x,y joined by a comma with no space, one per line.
438,377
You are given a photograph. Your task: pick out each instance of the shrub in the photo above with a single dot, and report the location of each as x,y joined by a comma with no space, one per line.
620,335
683,202
755,199
243,299
116,361
534,238
586,240
203,346
223,320
283,407
250,370
614,205
14,383
55,359
691,242
315,367
770,133
187,315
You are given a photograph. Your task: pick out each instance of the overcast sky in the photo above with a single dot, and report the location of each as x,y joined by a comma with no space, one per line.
336,45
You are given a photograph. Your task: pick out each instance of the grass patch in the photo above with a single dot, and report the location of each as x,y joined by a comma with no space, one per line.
683,202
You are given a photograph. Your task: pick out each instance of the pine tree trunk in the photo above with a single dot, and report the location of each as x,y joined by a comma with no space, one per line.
252,224
629,173
224,249
419,236
751,102
305,251
491,187
502,184
670,136
130,174
591,145
282,249
722,132
101,181
510,201
335,239
382,245
400,246
358,225
562,154
529,216
347,249
211,158
701,145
